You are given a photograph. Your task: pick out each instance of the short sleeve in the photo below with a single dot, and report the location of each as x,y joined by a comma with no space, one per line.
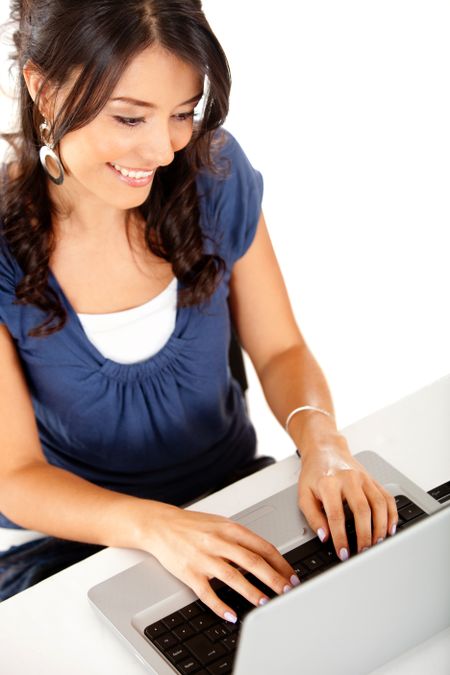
233,200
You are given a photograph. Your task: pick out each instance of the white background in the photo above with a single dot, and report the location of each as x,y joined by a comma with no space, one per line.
344,107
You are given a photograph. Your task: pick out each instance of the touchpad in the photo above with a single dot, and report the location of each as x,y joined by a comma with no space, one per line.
276,518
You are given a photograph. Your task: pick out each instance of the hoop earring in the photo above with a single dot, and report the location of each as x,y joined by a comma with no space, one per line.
47,151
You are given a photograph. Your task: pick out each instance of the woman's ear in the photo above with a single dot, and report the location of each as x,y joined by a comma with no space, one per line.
34,81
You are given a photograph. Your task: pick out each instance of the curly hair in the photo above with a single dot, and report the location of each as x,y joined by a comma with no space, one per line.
99,38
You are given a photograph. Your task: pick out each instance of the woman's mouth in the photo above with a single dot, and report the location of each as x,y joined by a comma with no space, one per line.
132,177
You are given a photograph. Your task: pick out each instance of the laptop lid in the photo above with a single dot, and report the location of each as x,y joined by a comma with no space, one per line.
145,593
359,615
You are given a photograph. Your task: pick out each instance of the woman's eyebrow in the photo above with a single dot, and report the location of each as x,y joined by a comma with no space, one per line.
146,104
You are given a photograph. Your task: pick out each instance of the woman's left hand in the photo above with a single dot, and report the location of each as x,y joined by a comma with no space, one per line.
329,476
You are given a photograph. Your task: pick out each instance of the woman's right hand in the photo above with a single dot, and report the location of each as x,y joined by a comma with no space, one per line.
196,547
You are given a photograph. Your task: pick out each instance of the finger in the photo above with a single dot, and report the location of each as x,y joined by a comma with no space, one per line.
392,509
203,590
259,569
311,508
250,541
332,503
379,508
360,508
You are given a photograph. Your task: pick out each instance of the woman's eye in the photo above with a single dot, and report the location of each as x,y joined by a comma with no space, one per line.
130,121
182,117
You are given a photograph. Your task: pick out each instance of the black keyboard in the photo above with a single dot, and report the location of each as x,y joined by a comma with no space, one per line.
195,640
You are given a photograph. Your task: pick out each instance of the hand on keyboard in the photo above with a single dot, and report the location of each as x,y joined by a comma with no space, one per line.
196,547
329,476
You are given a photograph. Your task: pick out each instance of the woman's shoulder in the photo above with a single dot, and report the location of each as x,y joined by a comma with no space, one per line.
227,155
232,197
232,171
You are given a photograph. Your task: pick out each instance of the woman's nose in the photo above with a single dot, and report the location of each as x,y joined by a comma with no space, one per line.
158,148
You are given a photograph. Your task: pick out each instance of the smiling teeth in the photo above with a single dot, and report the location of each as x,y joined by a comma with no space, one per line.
132,174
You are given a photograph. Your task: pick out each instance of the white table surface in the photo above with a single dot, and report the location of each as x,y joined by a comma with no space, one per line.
52,629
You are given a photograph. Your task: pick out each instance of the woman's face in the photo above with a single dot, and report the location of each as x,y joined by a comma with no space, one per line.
127,136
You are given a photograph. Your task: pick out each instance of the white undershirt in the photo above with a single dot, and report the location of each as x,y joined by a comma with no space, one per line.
129,336
135,334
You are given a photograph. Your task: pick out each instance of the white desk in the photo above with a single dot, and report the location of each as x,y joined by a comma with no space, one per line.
52,629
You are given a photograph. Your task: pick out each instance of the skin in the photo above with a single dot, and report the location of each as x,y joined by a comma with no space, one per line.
193,546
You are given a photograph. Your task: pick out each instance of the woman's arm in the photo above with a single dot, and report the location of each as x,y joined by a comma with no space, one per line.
193,546
291,377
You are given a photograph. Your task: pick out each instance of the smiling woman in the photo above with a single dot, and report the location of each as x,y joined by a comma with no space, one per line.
131,239
88,103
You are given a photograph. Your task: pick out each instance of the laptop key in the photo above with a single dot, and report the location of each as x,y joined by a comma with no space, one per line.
203,621
401,501
313,562
410,512
190,611
165,642
173,620
178,653
300,570
216,633
204,650
441,492
328,555
155,629
188,666
230,642
183,632
220,667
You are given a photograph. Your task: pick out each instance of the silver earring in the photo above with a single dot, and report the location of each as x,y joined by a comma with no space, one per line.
47,151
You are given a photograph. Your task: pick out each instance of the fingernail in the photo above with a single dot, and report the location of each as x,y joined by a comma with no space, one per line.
379,540
321,534
230,617
295,581
393,529
366,548
343,554
264,601
287,588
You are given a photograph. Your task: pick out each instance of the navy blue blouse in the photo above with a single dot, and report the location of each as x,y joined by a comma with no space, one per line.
169,427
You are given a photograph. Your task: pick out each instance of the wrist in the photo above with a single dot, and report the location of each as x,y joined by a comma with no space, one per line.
314,433
145,519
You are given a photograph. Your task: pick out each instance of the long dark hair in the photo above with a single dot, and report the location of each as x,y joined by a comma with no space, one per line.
100,38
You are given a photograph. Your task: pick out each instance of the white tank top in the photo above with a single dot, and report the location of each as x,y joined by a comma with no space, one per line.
135,334
129,336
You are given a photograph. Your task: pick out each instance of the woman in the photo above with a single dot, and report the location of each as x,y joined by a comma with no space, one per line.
129,232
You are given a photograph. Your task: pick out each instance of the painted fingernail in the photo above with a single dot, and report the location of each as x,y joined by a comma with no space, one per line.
379,540
287,588
264,601
393,529
295,581
343,554
230,617
321,534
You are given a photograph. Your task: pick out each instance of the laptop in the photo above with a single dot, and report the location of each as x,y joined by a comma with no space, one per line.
344,618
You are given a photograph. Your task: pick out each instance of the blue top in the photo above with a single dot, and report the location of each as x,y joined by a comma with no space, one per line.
169,427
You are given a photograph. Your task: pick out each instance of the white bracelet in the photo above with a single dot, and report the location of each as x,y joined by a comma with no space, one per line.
304,407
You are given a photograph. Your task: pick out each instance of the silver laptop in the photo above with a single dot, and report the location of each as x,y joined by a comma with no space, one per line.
350,619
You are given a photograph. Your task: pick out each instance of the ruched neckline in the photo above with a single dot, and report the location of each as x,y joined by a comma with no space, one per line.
123,371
